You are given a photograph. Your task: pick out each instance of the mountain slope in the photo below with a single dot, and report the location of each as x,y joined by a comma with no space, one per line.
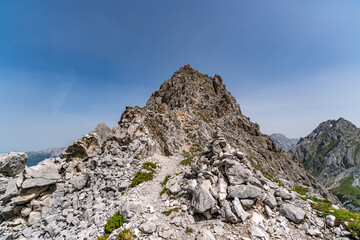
332,154
284,142
34,157
187,160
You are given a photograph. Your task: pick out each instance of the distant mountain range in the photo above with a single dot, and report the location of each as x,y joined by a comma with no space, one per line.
284,142
331,153
34,157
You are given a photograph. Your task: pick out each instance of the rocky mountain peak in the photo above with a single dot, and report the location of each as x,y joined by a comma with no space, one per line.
331,154
284,142
191,90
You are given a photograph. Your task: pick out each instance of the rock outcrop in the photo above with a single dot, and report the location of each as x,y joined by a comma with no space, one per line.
12,163
331,154
241,183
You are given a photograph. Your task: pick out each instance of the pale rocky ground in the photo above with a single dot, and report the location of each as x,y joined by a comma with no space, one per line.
223,195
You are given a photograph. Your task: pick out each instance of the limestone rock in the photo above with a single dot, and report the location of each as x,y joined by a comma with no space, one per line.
89,145
12,163
79,182
43,174
205,234
292,213
283,194
148,227
227,214
34,217
239,210
11,190
244,191
270,200
330,220
202,200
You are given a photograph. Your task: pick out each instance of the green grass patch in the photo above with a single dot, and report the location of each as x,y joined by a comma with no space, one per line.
112,223
300,190
341,215
125,234
168,212
141,177
104,237
189,230
346,192
275,180
165,190
166,179
149,166
317,200
188,158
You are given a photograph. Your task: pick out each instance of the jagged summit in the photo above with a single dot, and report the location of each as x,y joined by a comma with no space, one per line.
183,114
191,90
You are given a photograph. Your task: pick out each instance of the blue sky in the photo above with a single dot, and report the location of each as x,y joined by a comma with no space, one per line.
67,65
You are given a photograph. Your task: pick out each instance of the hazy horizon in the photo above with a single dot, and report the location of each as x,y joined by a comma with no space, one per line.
65,66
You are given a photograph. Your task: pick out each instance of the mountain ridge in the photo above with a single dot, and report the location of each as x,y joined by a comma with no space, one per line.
34,157
331,153
186,161
284,142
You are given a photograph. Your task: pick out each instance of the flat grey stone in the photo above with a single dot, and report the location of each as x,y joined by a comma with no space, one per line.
292,213
244,191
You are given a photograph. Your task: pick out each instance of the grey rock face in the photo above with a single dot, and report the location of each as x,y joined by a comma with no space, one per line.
292,213
12,163
227,214
283,194
270,200
202,199
43,174
244,191
331,154
239,210
237,174
89,145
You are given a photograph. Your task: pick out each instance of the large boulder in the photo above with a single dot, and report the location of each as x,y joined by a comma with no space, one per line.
292,213
244,191
239,210
236,173
227,214
202,200
43,174
12,163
